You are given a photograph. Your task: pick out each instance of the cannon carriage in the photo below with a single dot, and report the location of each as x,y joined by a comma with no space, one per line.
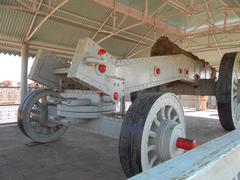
85,92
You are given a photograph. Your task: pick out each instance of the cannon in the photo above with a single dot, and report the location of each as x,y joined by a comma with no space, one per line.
85,91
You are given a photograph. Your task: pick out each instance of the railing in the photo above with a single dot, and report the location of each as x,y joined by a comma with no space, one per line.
10,100
9,103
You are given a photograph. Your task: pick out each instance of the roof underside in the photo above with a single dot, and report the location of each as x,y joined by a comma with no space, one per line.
126,28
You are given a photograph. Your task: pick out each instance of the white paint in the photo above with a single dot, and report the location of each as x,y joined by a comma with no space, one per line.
218,159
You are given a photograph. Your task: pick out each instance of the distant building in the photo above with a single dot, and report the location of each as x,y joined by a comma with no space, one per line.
10,98
9,93
8,83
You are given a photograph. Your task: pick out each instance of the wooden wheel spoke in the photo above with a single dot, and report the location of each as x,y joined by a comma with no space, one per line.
156,121
152,134
34,118
35,111
39,105
153,160
169,112
175,118
151,147
163,114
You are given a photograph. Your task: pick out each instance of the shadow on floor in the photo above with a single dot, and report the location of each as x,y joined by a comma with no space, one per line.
78,155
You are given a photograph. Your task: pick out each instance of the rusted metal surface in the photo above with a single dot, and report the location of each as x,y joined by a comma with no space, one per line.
164,46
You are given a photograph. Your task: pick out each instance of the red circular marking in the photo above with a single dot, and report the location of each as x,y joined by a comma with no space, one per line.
102,68
157,71
115,96
180,71
102,52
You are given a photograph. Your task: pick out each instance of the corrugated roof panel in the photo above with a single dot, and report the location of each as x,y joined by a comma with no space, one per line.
216,4
83,18
136,4
60,33
86,8
177,21
9,2
154,6
198,22
15,24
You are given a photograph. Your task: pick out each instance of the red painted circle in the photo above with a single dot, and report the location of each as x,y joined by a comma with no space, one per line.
115,96
102,52
180,71
102,68
157,71
187,71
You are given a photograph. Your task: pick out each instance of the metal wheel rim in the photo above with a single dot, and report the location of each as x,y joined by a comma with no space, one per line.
31,117
169,104
235,105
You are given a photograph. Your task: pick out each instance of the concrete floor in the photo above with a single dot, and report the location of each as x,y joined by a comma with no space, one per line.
78,155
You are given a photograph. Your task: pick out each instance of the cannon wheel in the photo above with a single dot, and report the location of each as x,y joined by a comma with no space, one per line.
227,88
37,116
149,132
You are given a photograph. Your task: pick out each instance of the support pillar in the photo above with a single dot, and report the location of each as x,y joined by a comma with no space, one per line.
123,105
24,71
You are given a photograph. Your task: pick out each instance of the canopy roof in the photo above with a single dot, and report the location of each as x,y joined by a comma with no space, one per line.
126,28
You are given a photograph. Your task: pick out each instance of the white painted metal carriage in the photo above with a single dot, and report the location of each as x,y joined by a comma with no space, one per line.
85,92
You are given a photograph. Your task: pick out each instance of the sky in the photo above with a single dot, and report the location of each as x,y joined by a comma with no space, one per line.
10,67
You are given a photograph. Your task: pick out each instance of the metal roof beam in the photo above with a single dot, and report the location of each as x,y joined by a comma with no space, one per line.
100,23
221,29
211,20
46,18
92,28
236,2
145,8
106,20
34,19
60,50
18,8
120,30
218,10
198,12
138,15
84,25
213,48
163,5
179,6
137,44
139,51
24,4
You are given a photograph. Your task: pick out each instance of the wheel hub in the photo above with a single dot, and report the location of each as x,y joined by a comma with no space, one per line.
169,132
36,114
43,115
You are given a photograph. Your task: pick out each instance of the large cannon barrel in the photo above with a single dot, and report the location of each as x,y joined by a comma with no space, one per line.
94,68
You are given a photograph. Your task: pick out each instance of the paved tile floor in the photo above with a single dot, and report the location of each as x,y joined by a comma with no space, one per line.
79,155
